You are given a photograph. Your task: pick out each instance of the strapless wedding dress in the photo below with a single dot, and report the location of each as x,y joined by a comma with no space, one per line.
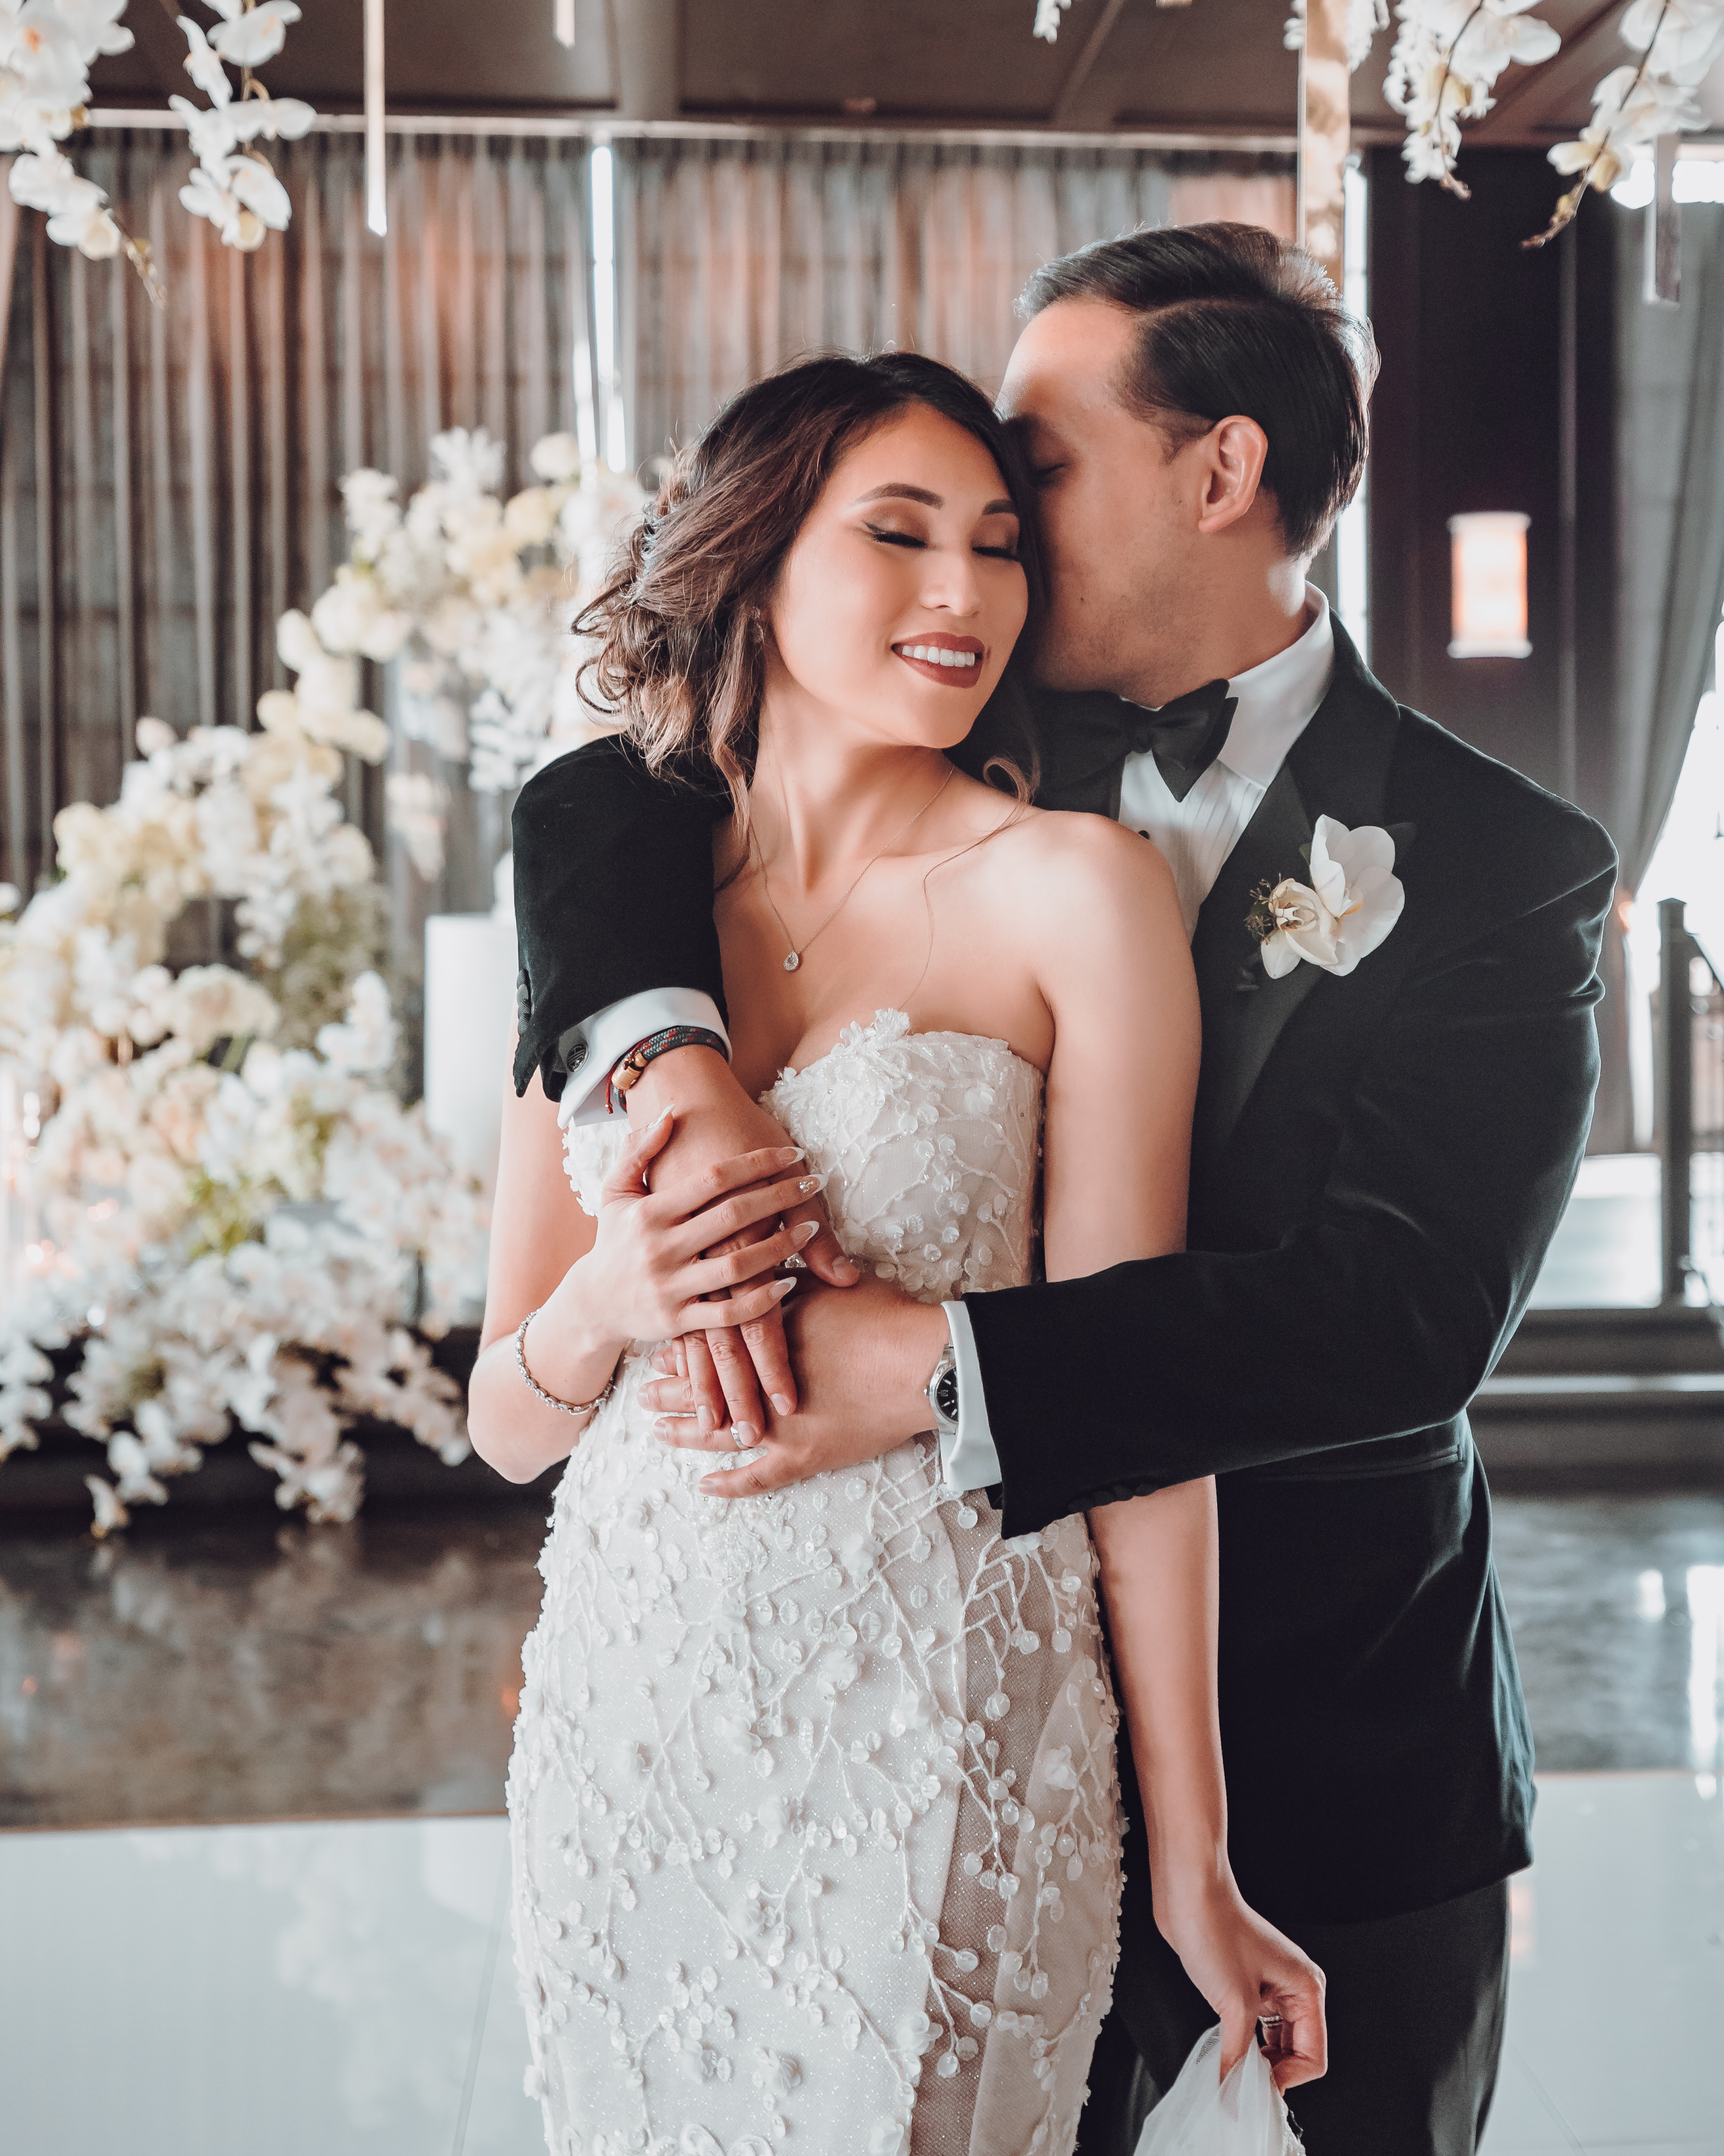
814,1813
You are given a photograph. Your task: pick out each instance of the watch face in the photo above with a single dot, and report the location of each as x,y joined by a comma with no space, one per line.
946,1394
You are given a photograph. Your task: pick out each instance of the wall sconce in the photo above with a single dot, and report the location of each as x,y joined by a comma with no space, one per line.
1488,615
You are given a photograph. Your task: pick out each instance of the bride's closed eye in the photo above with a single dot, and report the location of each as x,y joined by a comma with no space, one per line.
1008,553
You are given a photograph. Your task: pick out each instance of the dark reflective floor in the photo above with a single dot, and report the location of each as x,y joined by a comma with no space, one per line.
242,1669
238,1668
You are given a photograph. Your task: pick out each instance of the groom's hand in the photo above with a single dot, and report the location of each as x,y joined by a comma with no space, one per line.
864,1359
729,1367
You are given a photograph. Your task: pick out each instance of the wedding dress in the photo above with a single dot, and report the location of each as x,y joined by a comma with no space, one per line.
814,1815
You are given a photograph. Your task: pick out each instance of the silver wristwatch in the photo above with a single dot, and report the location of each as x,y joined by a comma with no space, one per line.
942,1392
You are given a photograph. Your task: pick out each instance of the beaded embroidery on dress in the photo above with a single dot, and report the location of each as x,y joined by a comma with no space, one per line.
814,1815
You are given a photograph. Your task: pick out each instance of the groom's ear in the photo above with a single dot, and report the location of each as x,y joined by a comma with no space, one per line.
1231,458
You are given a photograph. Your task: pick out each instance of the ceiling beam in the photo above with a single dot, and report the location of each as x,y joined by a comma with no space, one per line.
648,58
157,35
1082,67
1555,86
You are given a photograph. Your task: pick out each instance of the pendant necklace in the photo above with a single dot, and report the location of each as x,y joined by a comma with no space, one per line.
793,956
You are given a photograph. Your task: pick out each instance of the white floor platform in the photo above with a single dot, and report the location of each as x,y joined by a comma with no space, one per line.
345,1988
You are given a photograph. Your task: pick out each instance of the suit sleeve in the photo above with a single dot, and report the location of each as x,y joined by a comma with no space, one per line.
1383,1311
613,899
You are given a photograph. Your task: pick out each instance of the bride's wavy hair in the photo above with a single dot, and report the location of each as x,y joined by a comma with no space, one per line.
681,652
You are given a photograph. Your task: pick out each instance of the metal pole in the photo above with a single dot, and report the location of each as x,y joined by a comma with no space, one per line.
1675,1097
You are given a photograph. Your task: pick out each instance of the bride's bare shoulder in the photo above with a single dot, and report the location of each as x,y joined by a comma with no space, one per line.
1074,859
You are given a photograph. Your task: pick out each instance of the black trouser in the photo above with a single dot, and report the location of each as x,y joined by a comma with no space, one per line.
1416,2006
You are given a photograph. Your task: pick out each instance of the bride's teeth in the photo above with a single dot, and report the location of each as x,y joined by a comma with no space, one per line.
933,655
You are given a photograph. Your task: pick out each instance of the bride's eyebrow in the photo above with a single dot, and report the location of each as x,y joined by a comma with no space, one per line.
901,491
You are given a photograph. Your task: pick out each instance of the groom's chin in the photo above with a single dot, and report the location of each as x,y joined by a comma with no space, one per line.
1055,663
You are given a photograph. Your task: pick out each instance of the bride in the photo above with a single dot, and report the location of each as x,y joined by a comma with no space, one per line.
814,1809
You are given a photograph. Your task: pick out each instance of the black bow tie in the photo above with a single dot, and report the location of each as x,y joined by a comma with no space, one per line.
1185,737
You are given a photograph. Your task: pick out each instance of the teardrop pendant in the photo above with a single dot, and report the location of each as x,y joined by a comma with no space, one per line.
793,959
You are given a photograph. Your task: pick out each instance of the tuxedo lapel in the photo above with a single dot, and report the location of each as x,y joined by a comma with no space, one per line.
1244,1010
1338,768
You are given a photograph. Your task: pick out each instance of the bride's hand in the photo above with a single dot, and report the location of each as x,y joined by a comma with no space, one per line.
1251,1972
648,1271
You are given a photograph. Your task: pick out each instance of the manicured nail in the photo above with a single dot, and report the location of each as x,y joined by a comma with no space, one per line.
781,1289
810,1183
789,1155
845,1269
783,1403
804,1232
707,1420
743,1434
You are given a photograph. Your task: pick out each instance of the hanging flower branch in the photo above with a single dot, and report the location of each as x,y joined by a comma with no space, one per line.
235,185
47,49
1447,56
1678,41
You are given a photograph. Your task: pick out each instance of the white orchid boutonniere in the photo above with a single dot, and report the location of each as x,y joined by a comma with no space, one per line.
1352,901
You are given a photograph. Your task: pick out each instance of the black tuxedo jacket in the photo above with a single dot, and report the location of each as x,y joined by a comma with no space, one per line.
1379,1163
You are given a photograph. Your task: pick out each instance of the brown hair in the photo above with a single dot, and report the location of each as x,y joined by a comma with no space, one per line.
680,655
1235,319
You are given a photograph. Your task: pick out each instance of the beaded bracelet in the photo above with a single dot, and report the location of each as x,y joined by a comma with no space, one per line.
551,1401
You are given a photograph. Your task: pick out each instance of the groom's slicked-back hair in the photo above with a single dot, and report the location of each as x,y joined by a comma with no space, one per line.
1235,320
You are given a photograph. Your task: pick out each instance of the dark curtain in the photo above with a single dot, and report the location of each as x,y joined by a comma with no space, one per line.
168,477
733,257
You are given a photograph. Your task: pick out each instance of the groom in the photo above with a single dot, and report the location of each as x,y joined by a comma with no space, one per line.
1381,1156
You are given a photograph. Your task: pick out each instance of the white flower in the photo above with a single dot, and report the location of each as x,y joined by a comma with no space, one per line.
110,1514
41,50
94,25
252,35
369,1036
557,458
1353,902
1681,38
204,65
353,616
418,816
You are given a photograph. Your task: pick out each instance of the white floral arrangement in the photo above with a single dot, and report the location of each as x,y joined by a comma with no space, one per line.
46,48
473,596
233,1221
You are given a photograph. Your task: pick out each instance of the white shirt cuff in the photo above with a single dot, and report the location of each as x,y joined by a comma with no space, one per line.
968,1458
594,1048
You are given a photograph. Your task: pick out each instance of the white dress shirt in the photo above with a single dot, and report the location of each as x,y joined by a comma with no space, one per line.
1273,703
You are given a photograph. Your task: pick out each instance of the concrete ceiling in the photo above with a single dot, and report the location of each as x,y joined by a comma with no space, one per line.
1214,66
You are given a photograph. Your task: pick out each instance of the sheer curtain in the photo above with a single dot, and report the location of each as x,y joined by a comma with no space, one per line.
168,477
733,256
